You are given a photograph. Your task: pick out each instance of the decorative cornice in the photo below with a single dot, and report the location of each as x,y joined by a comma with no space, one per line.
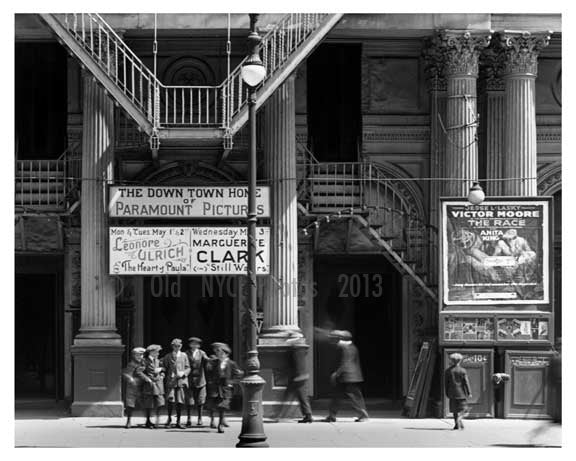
461,50
396,134
550,179
522,50
549,134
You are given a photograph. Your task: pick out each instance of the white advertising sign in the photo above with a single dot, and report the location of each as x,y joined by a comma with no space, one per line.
185,250
185,202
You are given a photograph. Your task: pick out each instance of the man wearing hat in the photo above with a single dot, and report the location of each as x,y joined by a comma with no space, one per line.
347,378
196,394
134,376
153,387
457,388
176,380
221,373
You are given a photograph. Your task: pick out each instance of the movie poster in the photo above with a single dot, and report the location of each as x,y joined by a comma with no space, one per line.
495,252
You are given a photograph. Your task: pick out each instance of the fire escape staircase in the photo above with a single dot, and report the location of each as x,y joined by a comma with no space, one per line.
369,197
186,114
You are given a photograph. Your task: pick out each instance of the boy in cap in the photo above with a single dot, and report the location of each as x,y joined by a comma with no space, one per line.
153,387
134,376
196,379
221,372
176,380
347,378
457,388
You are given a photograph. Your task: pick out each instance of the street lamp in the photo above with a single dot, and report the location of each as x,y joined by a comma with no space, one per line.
476,194
252,433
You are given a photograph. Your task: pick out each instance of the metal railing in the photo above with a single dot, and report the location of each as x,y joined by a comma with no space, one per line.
47,184
184,106
366,188
277,46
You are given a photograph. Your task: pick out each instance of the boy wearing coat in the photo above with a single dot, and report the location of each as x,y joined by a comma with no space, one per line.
133,374
196,379
153,386
176,380
221,372
457,388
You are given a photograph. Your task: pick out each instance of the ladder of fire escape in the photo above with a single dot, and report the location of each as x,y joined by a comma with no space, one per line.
186,112
363,193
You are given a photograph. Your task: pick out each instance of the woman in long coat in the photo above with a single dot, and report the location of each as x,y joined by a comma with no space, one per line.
153,387
133,374
221,373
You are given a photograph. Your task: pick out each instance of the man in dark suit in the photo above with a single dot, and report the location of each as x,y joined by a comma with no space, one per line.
347,378
457,388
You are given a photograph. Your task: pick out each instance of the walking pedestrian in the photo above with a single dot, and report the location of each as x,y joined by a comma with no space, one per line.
196,395
347,378
153,387
457,388
297,377
176,380
221,373
133,374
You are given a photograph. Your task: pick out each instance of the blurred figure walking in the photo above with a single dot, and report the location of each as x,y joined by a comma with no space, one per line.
457,388
297,377
347,378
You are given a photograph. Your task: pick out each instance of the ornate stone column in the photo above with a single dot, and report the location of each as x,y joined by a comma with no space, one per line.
434,66
279,168
461,50
280,300
97,348
492,119
520,70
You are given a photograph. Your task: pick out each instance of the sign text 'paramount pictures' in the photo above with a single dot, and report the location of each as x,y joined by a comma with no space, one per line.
185,202
186,250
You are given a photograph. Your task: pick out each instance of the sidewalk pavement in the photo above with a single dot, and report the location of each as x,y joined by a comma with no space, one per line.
34,428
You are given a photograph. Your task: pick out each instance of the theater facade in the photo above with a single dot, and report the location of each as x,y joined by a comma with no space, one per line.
131,151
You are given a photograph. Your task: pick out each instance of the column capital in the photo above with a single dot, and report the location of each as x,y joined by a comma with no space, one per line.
492,69
433,57
521,49
461,49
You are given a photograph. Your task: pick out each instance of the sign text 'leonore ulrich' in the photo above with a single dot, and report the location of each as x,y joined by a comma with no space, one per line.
185,250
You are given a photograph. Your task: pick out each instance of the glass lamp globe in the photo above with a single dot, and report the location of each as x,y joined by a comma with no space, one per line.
476,195
253,72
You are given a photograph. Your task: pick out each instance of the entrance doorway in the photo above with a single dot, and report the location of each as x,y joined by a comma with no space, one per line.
334,108
184,306
361,294
37,337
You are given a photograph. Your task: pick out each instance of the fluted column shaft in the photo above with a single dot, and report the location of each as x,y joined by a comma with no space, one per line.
520,71
98,310
279,168
461,50
495,115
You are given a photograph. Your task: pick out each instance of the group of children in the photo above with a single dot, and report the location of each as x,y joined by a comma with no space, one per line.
180,380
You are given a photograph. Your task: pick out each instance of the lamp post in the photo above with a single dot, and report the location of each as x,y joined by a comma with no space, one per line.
252,433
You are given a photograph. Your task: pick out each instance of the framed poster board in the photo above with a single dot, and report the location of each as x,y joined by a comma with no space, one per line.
527,394
496,253
492,328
